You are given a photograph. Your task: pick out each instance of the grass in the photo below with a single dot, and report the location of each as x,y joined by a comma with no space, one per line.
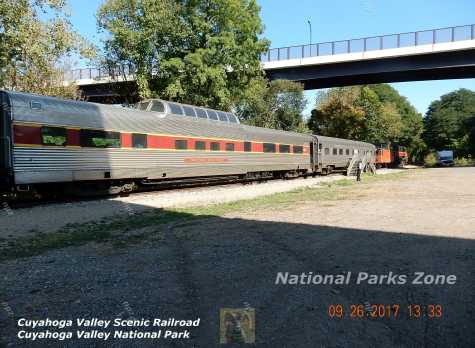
115,229
80,234
336,190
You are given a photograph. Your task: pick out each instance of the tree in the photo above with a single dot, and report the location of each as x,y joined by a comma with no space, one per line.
278,104
449,121
384,124
355,113
197,52
337,115
470,124
32,49
373,113
411,127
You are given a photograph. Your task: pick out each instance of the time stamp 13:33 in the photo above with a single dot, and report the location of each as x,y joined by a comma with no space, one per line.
385,311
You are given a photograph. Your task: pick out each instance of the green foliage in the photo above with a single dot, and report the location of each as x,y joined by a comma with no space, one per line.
337,115
32,49
464,162
430,159
470,126
412,125
374,113
382,119
278,104
355,113
197,52
450,122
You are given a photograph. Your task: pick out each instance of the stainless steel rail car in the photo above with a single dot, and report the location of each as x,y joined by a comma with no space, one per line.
55,142
335,153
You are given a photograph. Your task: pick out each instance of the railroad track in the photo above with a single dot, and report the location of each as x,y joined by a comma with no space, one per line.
152,187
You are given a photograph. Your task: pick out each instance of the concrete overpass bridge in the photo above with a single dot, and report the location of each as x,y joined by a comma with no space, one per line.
443,53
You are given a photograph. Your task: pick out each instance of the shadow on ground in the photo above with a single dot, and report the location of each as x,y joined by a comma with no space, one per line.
190,268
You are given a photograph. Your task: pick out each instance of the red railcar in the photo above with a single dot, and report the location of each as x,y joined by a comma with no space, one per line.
399,155
383,156
391,156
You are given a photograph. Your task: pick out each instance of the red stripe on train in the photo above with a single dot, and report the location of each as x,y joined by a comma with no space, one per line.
26,135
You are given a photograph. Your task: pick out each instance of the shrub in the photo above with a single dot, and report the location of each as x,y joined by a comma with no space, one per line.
463,161
430,160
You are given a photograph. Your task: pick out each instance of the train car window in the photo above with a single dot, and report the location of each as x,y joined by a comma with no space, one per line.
222,116
215,146
232,118
99,138
53,136
181,144
157,106
298,149
139,141
175,109
247,146
200,145
201,113
347,152
212,114
341,152
335,151
327,151
269,147
320,146
142,105
229,147
284,148
189,111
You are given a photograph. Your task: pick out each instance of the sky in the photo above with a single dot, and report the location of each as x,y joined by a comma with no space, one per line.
286,24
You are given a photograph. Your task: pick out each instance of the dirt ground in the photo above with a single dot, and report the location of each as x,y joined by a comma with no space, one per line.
51,217
434,202
421,222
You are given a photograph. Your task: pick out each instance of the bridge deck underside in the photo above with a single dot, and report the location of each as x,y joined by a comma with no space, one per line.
434,66
446,65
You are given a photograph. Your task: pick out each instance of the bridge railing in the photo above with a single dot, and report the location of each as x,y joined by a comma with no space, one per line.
98,73
409,39
373,43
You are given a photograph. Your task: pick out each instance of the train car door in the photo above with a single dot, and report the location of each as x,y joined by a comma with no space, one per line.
319,156
312,155
315,155
5,141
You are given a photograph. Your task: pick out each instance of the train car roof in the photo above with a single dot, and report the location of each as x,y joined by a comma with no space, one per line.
70,113
331,140
167,107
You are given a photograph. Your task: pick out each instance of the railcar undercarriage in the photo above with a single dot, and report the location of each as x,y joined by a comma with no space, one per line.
82,189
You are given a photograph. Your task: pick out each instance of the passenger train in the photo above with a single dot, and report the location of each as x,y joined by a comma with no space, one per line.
49,144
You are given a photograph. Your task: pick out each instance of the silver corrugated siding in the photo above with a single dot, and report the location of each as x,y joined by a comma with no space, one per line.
43,164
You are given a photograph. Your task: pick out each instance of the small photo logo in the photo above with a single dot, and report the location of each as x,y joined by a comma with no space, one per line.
237,325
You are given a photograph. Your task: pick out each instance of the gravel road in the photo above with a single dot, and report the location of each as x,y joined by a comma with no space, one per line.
422,222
